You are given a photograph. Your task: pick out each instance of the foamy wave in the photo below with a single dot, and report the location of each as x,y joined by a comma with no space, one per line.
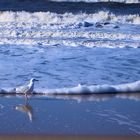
93,89
66,19
101,29
71,38
86,93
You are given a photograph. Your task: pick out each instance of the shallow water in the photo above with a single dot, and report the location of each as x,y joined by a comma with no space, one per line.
52,116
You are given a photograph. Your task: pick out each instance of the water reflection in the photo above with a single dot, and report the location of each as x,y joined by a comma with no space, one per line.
96,97
28,110
78,97
25,108
107,112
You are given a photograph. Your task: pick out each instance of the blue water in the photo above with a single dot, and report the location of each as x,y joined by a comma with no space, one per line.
50,116
57,67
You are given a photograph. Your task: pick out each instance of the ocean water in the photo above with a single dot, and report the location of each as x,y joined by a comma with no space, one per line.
71,51
92,1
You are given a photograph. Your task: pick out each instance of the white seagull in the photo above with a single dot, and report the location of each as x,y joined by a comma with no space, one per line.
26,88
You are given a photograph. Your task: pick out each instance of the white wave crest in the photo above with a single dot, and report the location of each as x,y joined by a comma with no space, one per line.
96,89
68,29
92,89
66,18
86,93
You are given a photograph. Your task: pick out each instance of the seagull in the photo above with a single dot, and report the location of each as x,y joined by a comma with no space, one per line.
26,88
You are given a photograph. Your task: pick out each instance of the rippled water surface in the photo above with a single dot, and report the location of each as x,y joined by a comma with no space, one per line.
57,67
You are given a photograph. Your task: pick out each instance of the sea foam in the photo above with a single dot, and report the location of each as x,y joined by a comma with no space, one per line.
84,93
100,29
85,89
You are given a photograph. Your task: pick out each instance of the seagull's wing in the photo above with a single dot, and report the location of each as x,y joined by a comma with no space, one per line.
22,89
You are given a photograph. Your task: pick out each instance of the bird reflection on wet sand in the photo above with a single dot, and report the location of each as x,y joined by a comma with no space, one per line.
25,108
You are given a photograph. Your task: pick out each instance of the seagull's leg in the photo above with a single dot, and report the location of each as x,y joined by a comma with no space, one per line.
26,97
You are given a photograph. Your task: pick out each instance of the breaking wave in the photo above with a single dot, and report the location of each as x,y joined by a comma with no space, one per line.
82,93
66,19
84,90
96,89
100,29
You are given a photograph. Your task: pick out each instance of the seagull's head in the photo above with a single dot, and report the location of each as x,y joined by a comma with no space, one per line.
33,80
